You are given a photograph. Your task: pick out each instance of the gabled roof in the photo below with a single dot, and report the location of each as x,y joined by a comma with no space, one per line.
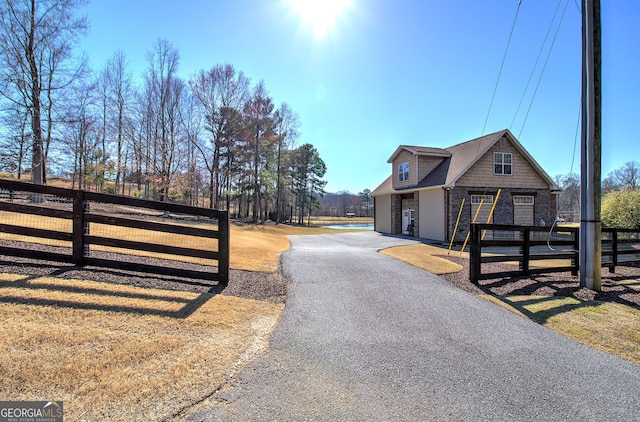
458,159
416,150
385,188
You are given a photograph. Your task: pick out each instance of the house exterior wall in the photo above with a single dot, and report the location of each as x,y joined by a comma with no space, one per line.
416,205
404,157
383,213
431,214
481,173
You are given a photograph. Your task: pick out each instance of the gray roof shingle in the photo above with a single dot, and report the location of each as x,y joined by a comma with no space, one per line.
457,160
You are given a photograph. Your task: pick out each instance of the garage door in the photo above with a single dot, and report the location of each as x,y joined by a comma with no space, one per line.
523,210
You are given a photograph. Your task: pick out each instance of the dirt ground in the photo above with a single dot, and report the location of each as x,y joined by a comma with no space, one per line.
269,287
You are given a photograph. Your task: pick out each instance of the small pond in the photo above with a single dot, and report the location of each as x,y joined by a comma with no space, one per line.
350,226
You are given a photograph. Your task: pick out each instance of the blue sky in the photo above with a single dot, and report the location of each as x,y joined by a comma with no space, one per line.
385,73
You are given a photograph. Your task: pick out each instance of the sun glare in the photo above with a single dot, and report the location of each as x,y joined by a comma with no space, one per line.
319,15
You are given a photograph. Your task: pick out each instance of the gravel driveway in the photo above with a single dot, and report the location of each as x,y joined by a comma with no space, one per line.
367,337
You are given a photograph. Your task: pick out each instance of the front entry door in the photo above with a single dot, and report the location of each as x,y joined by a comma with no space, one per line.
408,220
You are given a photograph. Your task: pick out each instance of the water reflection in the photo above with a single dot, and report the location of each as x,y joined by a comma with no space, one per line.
350,226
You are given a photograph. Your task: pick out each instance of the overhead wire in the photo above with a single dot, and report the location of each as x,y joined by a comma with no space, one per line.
504,57
543,68
573,157
575,137
535,65
537,85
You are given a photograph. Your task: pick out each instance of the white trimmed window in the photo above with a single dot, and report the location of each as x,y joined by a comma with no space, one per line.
403,172
502,162
523,200
485,199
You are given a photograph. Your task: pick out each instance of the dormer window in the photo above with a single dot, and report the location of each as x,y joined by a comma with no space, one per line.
403,172
502,162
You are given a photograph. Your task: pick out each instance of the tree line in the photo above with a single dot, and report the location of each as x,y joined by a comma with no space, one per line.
620,197
213,140
341,203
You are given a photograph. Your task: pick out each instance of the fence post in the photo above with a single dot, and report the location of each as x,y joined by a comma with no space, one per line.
526,246
475,253
223,247
614,257
78,228
576,252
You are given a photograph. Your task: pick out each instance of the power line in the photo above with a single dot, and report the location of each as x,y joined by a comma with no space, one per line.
544,42
501,66
543,68
575,137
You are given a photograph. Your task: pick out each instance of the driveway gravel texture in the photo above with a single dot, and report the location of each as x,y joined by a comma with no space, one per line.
367,337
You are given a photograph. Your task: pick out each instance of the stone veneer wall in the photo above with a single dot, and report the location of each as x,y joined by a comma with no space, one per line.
396,214
544,207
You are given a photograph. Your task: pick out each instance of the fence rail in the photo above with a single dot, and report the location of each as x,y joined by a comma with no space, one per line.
84,209
527,244
620,247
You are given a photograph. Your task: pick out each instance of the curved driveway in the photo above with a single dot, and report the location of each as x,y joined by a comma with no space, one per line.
367,337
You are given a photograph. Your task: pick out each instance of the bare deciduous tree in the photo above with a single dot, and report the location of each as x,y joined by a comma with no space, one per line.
218,90
14,144
626,177
119,94
569,199
38,39
164,94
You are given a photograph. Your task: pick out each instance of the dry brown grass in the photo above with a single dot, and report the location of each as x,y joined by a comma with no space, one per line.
609,327
423,256
114,352
254,247
257,247
140,235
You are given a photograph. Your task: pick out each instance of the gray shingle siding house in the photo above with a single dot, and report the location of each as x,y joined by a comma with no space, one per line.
426,189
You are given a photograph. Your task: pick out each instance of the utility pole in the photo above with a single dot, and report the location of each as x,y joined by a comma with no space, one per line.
591,147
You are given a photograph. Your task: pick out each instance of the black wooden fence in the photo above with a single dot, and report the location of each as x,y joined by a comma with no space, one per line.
83,208
620,247
526,244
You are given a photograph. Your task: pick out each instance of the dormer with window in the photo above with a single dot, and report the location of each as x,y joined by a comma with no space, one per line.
412,163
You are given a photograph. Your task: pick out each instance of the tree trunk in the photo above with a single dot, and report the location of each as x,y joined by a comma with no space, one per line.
36,118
